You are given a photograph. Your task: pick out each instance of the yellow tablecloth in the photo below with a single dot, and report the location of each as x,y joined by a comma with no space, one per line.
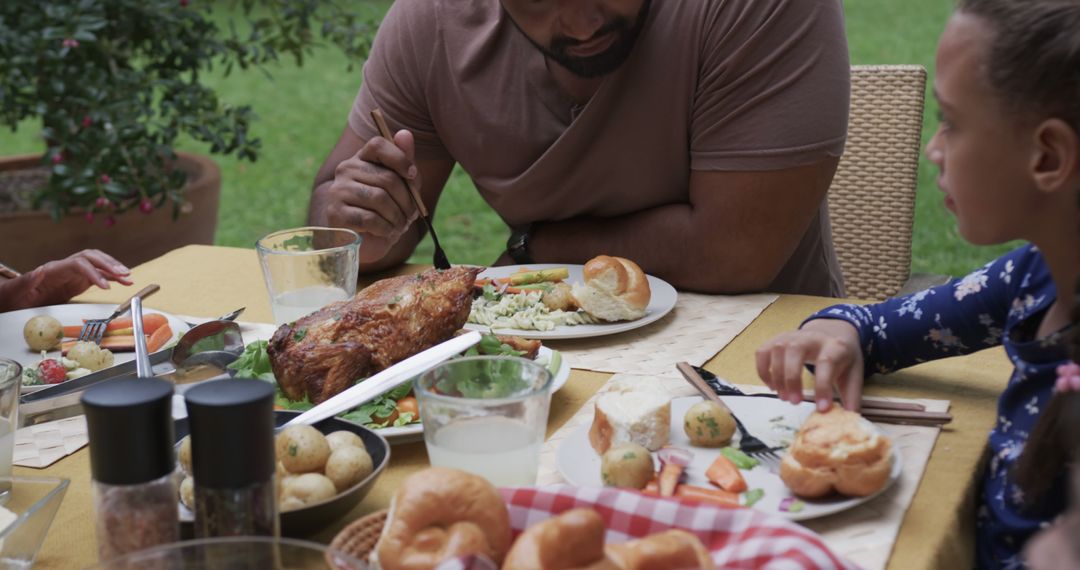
937,531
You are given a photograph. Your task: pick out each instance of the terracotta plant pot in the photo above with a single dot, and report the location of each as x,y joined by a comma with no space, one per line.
28,239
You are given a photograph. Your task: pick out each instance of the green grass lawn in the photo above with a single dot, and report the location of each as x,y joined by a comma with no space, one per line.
302,111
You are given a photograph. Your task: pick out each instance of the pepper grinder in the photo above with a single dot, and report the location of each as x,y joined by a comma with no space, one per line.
130,426
232,458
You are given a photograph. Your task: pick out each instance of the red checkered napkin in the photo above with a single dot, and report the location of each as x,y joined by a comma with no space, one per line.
737,538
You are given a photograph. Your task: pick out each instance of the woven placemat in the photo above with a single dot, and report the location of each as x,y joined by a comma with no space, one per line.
694,331
865,534
42,445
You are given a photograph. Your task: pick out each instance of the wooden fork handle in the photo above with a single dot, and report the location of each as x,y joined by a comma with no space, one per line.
384,132
699,383
142,294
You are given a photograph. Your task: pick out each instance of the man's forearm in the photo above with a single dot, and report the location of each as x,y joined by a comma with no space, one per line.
668,242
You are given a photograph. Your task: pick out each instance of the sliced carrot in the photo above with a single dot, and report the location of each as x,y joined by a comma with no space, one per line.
113,343
725,474
123,326
159,338
669,478
151,323
700,494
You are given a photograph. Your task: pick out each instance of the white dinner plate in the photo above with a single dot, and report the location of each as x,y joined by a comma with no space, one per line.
770,420
661,303
14,347
415,432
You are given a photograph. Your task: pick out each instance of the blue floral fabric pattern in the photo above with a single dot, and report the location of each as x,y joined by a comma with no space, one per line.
1000,303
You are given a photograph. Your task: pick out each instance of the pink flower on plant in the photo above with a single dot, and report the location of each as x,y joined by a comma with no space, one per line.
146,206
58,158
1068,379
87,121
105,179
89,217
110,221
71,43
102,203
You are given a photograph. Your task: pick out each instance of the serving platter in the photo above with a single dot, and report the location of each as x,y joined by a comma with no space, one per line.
415,432
14,347
772,421
661,303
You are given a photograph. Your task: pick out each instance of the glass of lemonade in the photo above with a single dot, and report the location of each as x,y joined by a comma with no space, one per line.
10,380
486,415
308,268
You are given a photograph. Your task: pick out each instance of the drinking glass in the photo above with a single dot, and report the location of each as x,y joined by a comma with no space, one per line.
10,381
308,268
486,415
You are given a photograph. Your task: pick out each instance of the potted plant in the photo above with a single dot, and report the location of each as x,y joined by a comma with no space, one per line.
114,83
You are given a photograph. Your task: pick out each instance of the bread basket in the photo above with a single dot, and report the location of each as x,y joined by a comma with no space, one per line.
358,539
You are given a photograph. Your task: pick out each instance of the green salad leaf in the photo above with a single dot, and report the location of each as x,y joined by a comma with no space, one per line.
751,497
254,362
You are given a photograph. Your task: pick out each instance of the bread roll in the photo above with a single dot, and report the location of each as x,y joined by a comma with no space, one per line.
442,513
615,289
574,540
570,541
838,450
631,411
661,551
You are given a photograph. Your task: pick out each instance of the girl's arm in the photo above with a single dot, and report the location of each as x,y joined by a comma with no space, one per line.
959,317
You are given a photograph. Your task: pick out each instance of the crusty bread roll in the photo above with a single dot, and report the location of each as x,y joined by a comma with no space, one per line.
574,540
442,513
838,450
634,410
666,550
615,289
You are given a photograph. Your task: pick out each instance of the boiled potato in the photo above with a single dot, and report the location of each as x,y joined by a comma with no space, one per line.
90,356
290,504
343,438
708,424
309,488
302,449
348,466
184,455
187,492
43,333
627,465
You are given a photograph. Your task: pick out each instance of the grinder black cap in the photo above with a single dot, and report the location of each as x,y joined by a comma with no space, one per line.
130,425
232,433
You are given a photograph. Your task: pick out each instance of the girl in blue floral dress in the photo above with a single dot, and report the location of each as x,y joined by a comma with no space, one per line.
1008,150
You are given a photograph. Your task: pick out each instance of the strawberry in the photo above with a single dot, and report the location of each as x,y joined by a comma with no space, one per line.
52,371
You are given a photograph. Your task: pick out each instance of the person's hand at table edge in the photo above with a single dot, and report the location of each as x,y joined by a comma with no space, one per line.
58,281
831,346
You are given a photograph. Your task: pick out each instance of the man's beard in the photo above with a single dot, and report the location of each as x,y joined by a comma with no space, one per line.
602,63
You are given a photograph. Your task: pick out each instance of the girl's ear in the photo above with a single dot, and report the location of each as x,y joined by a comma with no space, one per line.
1056,162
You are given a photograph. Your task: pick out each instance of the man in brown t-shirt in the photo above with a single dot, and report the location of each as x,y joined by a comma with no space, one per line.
695,137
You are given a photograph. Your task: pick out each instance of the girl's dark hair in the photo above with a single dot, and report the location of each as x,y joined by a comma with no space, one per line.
1033,67
1033,63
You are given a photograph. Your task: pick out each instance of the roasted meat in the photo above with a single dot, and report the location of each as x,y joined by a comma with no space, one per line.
325,352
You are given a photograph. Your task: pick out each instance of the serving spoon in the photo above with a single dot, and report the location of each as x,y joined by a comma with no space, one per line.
388,379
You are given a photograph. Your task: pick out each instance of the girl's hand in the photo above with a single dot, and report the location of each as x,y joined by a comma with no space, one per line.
1068,379
832,346
59,281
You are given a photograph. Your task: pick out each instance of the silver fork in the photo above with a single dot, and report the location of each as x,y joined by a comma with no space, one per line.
748,444
93,330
